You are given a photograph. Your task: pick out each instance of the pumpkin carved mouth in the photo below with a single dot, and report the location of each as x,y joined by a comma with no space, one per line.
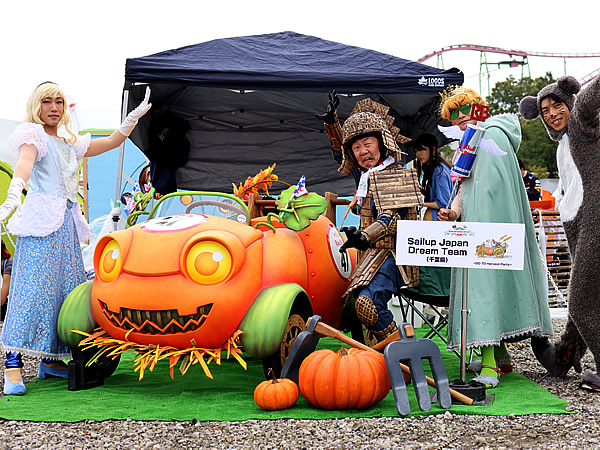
156,322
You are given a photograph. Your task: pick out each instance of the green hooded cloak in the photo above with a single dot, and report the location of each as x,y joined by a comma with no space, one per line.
505,305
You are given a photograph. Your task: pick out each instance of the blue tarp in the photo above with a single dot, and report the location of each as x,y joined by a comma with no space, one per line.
251,100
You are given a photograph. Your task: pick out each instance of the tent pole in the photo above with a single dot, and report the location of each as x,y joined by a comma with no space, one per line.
121,156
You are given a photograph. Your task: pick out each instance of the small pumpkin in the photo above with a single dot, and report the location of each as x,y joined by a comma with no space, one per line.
276,394
346,379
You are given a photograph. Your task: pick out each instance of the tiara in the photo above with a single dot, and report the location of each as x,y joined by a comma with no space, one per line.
451,91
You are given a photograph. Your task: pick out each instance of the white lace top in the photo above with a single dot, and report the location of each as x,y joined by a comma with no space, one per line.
53,180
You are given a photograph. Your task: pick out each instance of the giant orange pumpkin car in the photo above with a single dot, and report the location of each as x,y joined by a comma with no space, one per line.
199,272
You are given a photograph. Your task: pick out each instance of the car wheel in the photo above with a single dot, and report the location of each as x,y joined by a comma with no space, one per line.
295,325
82,376
106,366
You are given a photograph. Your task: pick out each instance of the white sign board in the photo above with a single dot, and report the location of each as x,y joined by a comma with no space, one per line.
460,244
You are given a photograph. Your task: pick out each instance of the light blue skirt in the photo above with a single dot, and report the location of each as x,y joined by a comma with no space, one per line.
45,270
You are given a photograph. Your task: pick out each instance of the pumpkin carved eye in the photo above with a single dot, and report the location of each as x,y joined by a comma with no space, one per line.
208,262
110,261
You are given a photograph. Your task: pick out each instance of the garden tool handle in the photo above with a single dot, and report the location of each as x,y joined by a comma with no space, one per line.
329,331
326,330
395,336
454,394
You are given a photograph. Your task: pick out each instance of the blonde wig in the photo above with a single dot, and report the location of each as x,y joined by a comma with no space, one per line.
456,96
34,107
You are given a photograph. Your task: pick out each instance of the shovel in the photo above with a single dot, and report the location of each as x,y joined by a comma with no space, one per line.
306,343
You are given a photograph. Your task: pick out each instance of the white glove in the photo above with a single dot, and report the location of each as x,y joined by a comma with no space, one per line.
13,198
115,212
132,118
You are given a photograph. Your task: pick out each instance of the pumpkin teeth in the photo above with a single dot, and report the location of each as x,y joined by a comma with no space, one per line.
156,322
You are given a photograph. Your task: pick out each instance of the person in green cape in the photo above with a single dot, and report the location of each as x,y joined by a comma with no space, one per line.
505,305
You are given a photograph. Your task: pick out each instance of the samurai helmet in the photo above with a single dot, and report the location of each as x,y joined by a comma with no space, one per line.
369,117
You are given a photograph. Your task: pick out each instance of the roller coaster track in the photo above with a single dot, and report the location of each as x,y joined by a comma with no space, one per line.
522,53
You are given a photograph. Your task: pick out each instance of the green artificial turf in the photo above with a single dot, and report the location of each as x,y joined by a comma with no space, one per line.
229,396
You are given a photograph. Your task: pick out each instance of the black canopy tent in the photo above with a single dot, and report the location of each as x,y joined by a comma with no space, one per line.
250,102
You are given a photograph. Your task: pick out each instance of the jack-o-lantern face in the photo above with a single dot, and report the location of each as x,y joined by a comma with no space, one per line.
177,280
188,280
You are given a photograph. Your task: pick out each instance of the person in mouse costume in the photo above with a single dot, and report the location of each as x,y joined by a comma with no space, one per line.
574,122
367,149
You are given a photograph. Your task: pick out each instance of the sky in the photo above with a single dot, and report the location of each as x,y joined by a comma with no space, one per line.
83,45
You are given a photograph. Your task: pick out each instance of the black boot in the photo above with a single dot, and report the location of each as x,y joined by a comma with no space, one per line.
545,352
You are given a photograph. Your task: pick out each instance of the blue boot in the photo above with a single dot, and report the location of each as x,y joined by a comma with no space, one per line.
11,388
44,372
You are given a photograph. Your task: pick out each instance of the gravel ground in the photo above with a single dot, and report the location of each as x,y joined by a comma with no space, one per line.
576,431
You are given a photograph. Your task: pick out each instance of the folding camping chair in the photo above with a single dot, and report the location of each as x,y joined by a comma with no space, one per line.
436,303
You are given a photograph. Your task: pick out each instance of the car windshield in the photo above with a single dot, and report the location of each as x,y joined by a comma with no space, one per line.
209,203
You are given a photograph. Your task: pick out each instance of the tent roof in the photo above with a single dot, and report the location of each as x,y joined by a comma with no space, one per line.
250,102
288,61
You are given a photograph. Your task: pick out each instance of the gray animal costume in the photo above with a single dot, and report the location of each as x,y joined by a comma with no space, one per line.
577,158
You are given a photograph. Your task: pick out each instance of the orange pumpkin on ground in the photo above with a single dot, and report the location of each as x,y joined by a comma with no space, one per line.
346,379
276,394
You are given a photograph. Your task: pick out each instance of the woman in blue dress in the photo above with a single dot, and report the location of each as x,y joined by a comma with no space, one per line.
49,226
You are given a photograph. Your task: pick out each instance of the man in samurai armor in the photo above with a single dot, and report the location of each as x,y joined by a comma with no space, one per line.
366,148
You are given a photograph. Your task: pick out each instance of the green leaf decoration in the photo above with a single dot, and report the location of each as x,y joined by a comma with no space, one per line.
296,214
284,198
